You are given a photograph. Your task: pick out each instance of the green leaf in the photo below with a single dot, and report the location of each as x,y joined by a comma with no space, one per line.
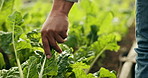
78,69
107,42
106,73
92,36
79,73
5,41
16,18
64,60
34,36
6,7
22,44
107,23
84,54
11,73
51,67
110,42
18,31
2,62
80,65
72,41
63,64
32,66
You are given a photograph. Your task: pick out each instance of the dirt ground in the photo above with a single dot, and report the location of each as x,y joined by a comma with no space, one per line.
111,59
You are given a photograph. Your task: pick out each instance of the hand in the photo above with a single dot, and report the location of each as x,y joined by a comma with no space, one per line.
54,31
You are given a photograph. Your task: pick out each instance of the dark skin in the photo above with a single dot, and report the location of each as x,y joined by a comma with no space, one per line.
55,27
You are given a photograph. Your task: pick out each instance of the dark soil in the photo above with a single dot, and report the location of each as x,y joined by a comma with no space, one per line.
111,59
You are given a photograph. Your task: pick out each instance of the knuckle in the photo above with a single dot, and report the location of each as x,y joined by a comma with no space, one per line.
51,30
57,31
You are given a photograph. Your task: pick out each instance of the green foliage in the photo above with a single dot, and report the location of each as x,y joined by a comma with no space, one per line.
103,73
2,64
108,42
107,73
5,41
6,7
93,29
92,36
32,66
53,68
11,73
78,69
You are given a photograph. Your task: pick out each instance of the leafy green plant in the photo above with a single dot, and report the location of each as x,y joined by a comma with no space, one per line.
96,29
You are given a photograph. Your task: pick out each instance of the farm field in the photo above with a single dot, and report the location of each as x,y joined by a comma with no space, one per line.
99,32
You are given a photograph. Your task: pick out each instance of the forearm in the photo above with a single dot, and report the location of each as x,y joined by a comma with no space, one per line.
61,6
55,27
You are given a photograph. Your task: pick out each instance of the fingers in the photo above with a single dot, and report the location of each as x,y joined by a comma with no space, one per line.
63,34
58,38
53,42
50,39
46,47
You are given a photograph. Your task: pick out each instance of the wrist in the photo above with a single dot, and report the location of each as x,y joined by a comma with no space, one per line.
55,13
61,6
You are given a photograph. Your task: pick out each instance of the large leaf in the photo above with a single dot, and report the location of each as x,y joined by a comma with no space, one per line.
31,68
72,41
5,41
92,36
105,42
64,61
78,69
16,18
6,7
106,73
34,36
11,73
33,65
51,67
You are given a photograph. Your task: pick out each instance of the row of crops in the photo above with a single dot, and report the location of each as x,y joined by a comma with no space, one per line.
95,26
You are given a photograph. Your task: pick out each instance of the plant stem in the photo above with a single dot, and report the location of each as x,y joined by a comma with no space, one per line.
16,56
1,5
96,59
28,70
42,68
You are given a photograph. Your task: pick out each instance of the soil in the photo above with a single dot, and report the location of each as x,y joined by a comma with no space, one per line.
111,60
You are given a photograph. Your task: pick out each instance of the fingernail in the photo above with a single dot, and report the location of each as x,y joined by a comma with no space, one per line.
65,40
48,56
